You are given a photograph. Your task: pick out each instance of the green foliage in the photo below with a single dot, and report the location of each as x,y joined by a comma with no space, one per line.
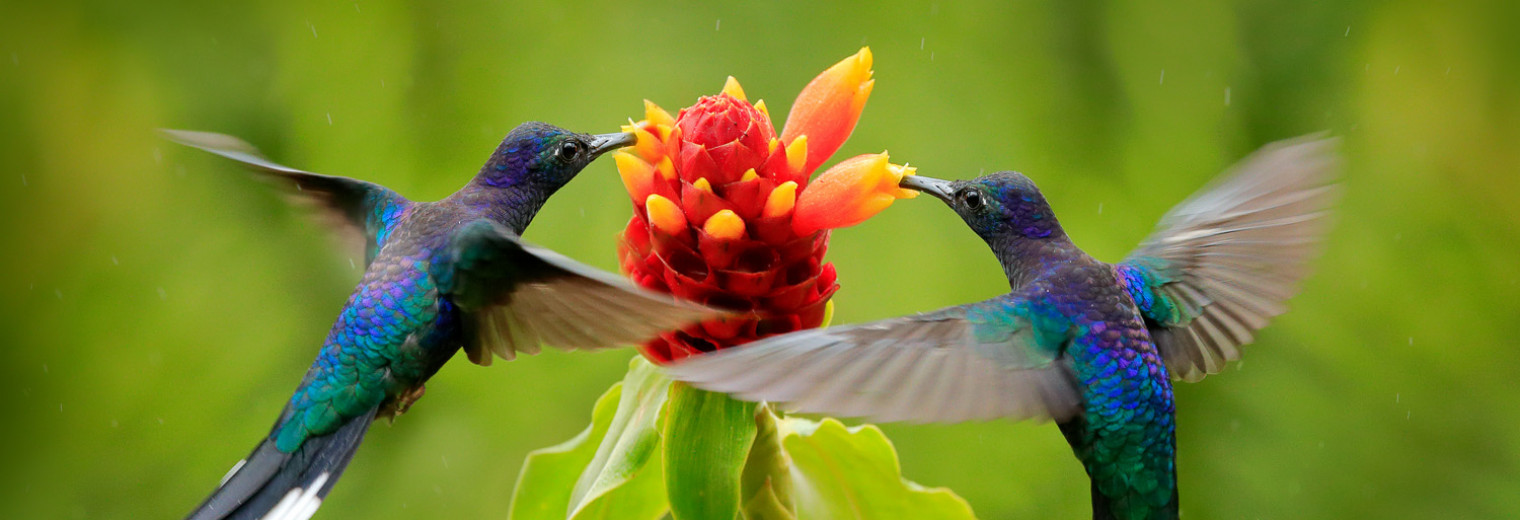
708,437
606,471
852,473
797,468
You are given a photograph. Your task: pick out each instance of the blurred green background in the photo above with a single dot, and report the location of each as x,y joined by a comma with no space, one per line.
159,305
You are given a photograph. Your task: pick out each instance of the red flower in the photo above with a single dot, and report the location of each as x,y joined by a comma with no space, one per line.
724,214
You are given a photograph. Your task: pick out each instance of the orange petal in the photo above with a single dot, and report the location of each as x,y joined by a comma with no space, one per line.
638,176
648,146
749,175
829,106
781,200
724,225
849,193
656,115
665,215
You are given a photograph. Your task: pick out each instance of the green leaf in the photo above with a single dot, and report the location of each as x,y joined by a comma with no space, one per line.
604,472
707,439
841,473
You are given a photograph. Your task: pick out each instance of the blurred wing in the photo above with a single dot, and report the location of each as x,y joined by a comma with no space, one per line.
518,296
972,362
1223,262
359,212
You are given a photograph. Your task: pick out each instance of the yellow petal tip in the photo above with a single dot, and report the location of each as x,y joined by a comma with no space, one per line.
732,88
665,215
724,225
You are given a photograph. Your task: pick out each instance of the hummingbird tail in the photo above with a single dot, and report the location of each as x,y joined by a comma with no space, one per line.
273,485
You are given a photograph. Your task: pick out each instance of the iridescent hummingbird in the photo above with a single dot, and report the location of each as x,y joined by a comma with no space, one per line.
439,276
1091,345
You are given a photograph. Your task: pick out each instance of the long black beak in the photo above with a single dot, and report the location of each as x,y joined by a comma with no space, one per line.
604,143
940,189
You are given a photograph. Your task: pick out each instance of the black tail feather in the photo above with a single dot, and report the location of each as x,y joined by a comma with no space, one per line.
278,486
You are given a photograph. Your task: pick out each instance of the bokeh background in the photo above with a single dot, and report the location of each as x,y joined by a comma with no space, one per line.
159,306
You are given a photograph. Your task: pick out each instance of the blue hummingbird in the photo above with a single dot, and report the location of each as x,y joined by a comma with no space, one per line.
1091,345
439,277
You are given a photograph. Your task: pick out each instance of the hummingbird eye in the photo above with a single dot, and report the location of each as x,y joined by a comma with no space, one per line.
971,198
570,149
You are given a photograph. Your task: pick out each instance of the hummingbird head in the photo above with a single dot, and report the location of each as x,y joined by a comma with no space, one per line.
999,205
545,157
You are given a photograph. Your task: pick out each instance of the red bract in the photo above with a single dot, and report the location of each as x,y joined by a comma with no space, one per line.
723,214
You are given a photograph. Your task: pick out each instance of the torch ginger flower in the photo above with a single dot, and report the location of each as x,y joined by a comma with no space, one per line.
725,215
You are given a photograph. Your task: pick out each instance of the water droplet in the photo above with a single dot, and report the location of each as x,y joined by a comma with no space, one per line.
1396,69
718,25
1162,81
114,424
1411,341
114,261
44,368
1348,31
445,461
1406,414
162,295
1396,397
329,118
158,155
921,43
58,293
351,264
1100,208
356,7
1227,96
160,420
313,29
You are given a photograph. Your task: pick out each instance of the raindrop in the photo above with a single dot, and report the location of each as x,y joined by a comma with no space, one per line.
44,368
931,55
1398,236
1162,81
60,407
382,82
158,156
1348,31
1396,69
329,119
114,261
160,420
1406,414
921,43
356,7
1227,96
58,293
351,263
15,60
1448,71
1235,425
1396,397
114,424
313,28
1322,445
162,295
1100,208
718,25
23,179
445,461
1411,341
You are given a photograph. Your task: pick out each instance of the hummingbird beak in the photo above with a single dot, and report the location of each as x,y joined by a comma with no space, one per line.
940,189
604,143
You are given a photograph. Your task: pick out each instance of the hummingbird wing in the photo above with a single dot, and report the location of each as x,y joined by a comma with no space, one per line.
518,295
996,358
360,212
1224,261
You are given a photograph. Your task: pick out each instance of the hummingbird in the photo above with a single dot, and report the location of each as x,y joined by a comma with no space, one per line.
1090,345
439,277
